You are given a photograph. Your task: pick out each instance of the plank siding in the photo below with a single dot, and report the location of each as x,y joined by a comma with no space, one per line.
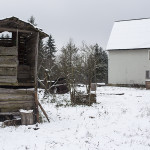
8,71
8,51
8,61
11,100
8,79
8,65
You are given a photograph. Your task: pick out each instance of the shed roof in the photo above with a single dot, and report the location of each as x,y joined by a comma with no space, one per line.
130,34
13,23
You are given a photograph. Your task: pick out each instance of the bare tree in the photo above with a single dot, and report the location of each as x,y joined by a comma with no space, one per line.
68,61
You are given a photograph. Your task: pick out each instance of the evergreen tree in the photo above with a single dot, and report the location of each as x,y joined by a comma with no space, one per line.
101,64
6,36
50,50
32,20
2,36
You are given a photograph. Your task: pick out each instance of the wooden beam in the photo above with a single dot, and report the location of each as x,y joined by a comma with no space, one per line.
15,97
27,84
15,30
43,111
35,77
9,113
29,91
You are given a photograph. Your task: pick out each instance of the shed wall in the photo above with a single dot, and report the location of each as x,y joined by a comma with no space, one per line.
11,100
128,66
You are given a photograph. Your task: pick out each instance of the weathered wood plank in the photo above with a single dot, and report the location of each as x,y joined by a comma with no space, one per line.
16,91
9,113
14,103
8,71
14,30
8,61
27,84
9,51
8,79
16,107
14,97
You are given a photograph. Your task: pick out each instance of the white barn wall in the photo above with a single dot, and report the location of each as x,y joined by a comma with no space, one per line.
128,66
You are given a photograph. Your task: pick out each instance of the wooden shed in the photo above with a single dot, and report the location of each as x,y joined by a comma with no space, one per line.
18,66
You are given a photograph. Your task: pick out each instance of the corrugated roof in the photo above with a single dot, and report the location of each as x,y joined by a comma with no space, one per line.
130,34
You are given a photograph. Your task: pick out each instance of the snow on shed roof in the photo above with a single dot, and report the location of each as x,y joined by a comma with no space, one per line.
130,34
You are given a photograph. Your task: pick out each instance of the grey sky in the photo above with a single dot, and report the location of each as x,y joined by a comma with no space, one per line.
88,20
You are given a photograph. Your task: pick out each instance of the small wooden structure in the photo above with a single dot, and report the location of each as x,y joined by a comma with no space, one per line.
84,99
18,66
59,86
147,84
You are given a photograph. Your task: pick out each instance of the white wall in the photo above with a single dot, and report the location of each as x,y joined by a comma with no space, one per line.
128,66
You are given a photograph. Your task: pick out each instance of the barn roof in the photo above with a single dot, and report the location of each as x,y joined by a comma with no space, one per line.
13,23
130,34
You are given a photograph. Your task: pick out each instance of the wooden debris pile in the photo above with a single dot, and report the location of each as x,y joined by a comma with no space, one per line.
84,99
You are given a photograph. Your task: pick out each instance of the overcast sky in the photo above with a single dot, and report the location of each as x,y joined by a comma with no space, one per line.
82,20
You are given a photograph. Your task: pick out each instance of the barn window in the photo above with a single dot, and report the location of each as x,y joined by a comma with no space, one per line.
148,74
6,34
6,39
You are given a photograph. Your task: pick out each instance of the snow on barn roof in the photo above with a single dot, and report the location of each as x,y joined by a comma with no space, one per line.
130,34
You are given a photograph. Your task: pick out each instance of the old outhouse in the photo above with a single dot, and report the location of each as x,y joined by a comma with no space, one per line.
18,66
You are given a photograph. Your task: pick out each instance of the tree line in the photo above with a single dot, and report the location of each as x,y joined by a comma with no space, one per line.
86,64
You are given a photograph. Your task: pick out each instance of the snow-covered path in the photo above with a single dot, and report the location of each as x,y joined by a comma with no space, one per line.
116,122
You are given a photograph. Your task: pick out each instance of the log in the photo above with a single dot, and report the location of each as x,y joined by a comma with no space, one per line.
17,106
9,113
17,91
8,79
9,51
14,97
7,71
8,61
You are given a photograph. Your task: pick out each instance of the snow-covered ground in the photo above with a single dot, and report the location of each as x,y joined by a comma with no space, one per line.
116,122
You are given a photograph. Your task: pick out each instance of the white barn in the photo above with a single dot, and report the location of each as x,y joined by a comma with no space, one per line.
129,52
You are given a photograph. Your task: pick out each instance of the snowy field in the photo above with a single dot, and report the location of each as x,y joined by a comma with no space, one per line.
116,122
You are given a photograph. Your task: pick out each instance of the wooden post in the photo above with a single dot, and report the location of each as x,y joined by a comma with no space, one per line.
44,112
17,39
35,78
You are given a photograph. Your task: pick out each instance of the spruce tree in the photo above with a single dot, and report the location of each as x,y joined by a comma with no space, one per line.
50,50
2,36
7,36
32,20
101,64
